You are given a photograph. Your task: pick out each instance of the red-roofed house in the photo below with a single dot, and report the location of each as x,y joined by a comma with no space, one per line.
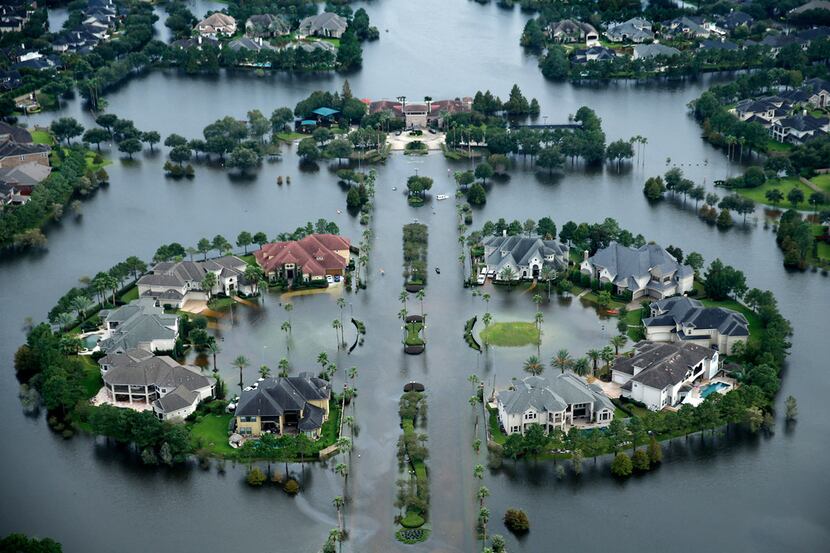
312,258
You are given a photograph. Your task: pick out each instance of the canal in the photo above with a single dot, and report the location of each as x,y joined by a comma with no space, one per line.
759,494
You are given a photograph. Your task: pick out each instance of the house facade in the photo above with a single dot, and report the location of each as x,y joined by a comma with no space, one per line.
798,129
175,283
636,30
559,403
523,256
645,271
572,31
313,258
137,378
284,405
266,26
13,153
139,324
662,374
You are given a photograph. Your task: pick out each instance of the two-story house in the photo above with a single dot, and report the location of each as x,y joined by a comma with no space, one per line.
523,256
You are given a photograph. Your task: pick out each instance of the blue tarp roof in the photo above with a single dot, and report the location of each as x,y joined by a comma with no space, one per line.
310,122
325,112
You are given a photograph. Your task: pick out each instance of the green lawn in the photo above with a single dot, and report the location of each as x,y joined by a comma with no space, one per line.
512,334
42,137
495,431
129,295
775,146
212,434
785,185
413,334
291,136
92,376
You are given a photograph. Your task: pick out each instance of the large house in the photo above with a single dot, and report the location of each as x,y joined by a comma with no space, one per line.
313,258
661,375
13,153
682,319
798,129
217,24
819,91
559,402
326,24
571,30
645,271
593,53
138,378
139,324
635,30
284,405
267,26
649,51
524,256
175,283
422,115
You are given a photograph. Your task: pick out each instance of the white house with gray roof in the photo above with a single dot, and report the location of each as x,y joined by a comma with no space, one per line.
648,51
682,319
645,271
524,256
174,283
661,375
139,324
136,379
635,30
558,402
326,24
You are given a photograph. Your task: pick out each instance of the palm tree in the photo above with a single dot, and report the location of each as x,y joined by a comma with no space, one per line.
539,318
283,367
594,355
534,365
343,470
421,295
323,360
509,275
335,324
81,304
562,360
537,299
473,379
618,342
341,303
607,355
240,362
402,297
344,445
338,504
478,472
286,327
582,366
483,518
289,307
547,274
482,494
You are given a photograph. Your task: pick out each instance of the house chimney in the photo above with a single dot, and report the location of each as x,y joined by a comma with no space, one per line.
585,255
199,40
504,232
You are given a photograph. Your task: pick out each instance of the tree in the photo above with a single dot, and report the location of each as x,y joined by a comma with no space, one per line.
581,366
484,171
816,199
795,197
476,195
243,158
550,158
722,281
174,140
18,543
621,467
695,261
464,179
594,355
339,148
255,477
151,138
516,521
640,460
655,451
244,239
130,146
791,409
307,150
654,188
66,128
562,360
280,118
240,363
534,366
555,64
203,247
618,342
96,136
774,196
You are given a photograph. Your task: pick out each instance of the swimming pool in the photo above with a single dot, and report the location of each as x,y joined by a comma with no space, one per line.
711,388
91,341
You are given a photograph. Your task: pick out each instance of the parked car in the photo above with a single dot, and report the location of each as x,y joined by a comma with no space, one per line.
481,279
329,279
336,278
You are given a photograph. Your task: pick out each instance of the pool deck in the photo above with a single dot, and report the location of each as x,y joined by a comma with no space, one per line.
695,397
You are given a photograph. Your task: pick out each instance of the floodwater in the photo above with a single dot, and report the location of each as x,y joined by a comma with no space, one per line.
752,494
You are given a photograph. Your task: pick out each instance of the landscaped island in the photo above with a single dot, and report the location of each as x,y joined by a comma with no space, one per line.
413,489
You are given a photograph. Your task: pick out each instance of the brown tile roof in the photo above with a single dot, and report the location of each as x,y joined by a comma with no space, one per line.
315,253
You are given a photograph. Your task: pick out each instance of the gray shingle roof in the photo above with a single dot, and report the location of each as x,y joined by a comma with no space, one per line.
625,263
662,364
690,312
274,396
551,394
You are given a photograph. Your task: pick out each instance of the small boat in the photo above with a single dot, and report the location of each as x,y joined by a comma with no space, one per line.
442,197
394,188
437,270
339,212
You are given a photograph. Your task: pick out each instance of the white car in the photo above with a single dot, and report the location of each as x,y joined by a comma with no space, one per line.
483,271
481,279
330,279
491,274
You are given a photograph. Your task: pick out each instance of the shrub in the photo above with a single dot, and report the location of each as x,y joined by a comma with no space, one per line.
516,520
412,535
640,460
412,520
255,477
291,487
621,467
655,451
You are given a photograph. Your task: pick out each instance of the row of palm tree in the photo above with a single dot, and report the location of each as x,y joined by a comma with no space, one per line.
563,360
